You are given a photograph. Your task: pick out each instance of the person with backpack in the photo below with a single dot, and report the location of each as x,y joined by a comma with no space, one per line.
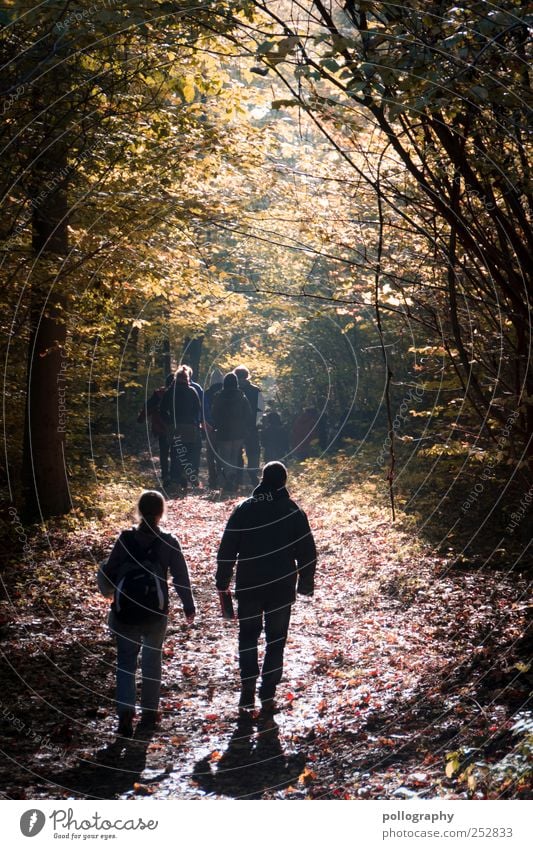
232,417
269,538
251,441
160,427
181,408
136,577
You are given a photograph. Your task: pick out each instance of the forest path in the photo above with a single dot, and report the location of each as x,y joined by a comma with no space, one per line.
397,660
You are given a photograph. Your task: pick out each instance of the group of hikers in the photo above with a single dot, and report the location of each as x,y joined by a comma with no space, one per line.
269,541
230,416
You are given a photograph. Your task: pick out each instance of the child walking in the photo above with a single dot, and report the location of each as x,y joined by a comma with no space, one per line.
136,574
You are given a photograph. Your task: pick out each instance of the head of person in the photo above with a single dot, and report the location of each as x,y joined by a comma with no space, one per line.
182,375
230,381
150,508
191,372
216,377
274,475
242,373
169,380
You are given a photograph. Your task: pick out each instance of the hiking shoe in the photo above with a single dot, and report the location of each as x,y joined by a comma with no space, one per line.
125,724
150,719
247,699
268,707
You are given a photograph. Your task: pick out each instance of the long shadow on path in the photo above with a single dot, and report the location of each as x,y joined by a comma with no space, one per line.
112,772
253,763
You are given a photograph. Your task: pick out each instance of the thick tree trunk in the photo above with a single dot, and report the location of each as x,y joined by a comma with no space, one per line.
44,473
192,351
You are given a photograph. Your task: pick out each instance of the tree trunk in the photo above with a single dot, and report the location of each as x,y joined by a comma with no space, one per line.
166,357
44,473
192,351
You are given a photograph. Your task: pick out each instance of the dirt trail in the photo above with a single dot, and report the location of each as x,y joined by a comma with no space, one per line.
385,669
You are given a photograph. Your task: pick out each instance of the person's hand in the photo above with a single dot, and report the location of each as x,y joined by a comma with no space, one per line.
190,619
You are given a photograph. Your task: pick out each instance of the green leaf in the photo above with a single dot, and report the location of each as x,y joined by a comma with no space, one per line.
331,65
265,47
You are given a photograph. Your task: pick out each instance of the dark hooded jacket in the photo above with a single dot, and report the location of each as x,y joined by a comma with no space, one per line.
252,394
269,538
231,415
180,407
152,410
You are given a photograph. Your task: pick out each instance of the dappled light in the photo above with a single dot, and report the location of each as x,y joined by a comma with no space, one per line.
268,400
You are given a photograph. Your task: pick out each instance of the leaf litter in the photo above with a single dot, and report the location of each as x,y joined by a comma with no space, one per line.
400,674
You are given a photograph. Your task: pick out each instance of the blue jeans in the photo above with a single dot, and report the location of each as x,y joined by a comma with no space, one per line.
148,639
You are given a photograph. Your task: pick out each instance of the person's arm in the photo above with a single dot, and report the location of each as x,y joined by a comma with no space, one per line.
107,576
196,407
164,408
228,551
206,408
305,553
154,402
260,406
180,577
111,568
215,411
200,392
150,407
247,412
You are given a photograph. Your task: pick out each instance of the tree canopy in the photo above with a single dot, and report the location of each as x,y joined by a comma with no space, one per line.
234,174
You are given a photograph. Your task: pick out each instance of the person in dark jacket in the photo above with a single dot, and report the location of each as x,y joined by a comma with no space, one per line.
274,437
181,407
251,442
197,450
215,386
232,419
269,538
304,431
160,426
148,634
